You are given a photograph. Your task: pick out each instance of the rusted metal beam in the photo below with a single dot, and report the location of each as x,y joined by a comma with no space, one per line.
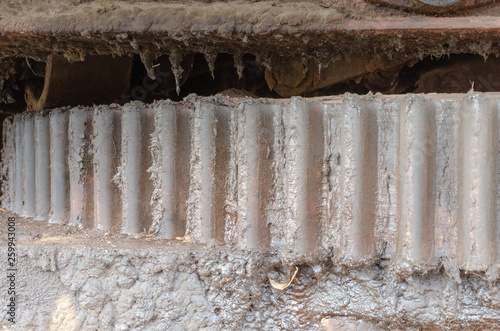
239,28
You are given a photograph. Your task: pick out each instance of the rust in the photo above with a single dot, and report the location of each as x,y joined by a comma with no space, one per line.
435,6
96,80
291,76
258,30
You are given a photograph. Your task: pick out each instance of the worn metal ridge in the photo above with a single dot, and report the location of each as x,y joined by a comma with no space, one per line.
412,179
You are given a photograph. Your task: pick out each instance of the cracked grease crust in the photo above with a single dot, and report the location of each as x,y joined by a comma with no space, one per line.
79,279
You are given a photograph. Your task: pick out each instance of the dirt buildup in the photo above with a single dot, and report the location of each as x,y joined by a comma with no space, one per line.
293,76
310,29
74,278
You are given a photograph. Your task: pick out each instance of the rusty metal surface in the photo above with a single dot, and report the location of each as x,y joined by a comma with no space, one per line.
259,28
436,6
413,179
97,80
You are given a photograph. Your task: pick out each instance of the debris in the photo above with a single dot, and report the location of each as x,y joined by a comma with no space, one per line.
184,239
281,287
289,76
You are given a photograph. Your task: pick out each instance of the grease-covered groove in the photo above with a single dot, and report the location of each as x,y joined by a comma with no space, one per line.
42,167
447,160
164,150
255,153
59,172
18,166
200,222
79,168
182,173
170,156
478,146
223,185
304,162
105,139
7,167
132,177
416,180
359,145
28,170
413,179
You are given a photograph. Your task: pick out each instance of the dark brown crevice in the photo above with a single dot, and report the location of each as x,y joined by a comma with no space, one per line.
197,78
449,74
32,85
96,80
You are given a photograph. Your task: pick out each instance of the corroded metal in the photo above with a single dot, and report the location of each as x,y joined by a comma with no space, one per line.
436,6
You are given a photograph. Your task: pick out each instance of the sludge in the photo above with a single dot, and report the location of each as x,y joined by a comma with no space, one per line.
413,179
